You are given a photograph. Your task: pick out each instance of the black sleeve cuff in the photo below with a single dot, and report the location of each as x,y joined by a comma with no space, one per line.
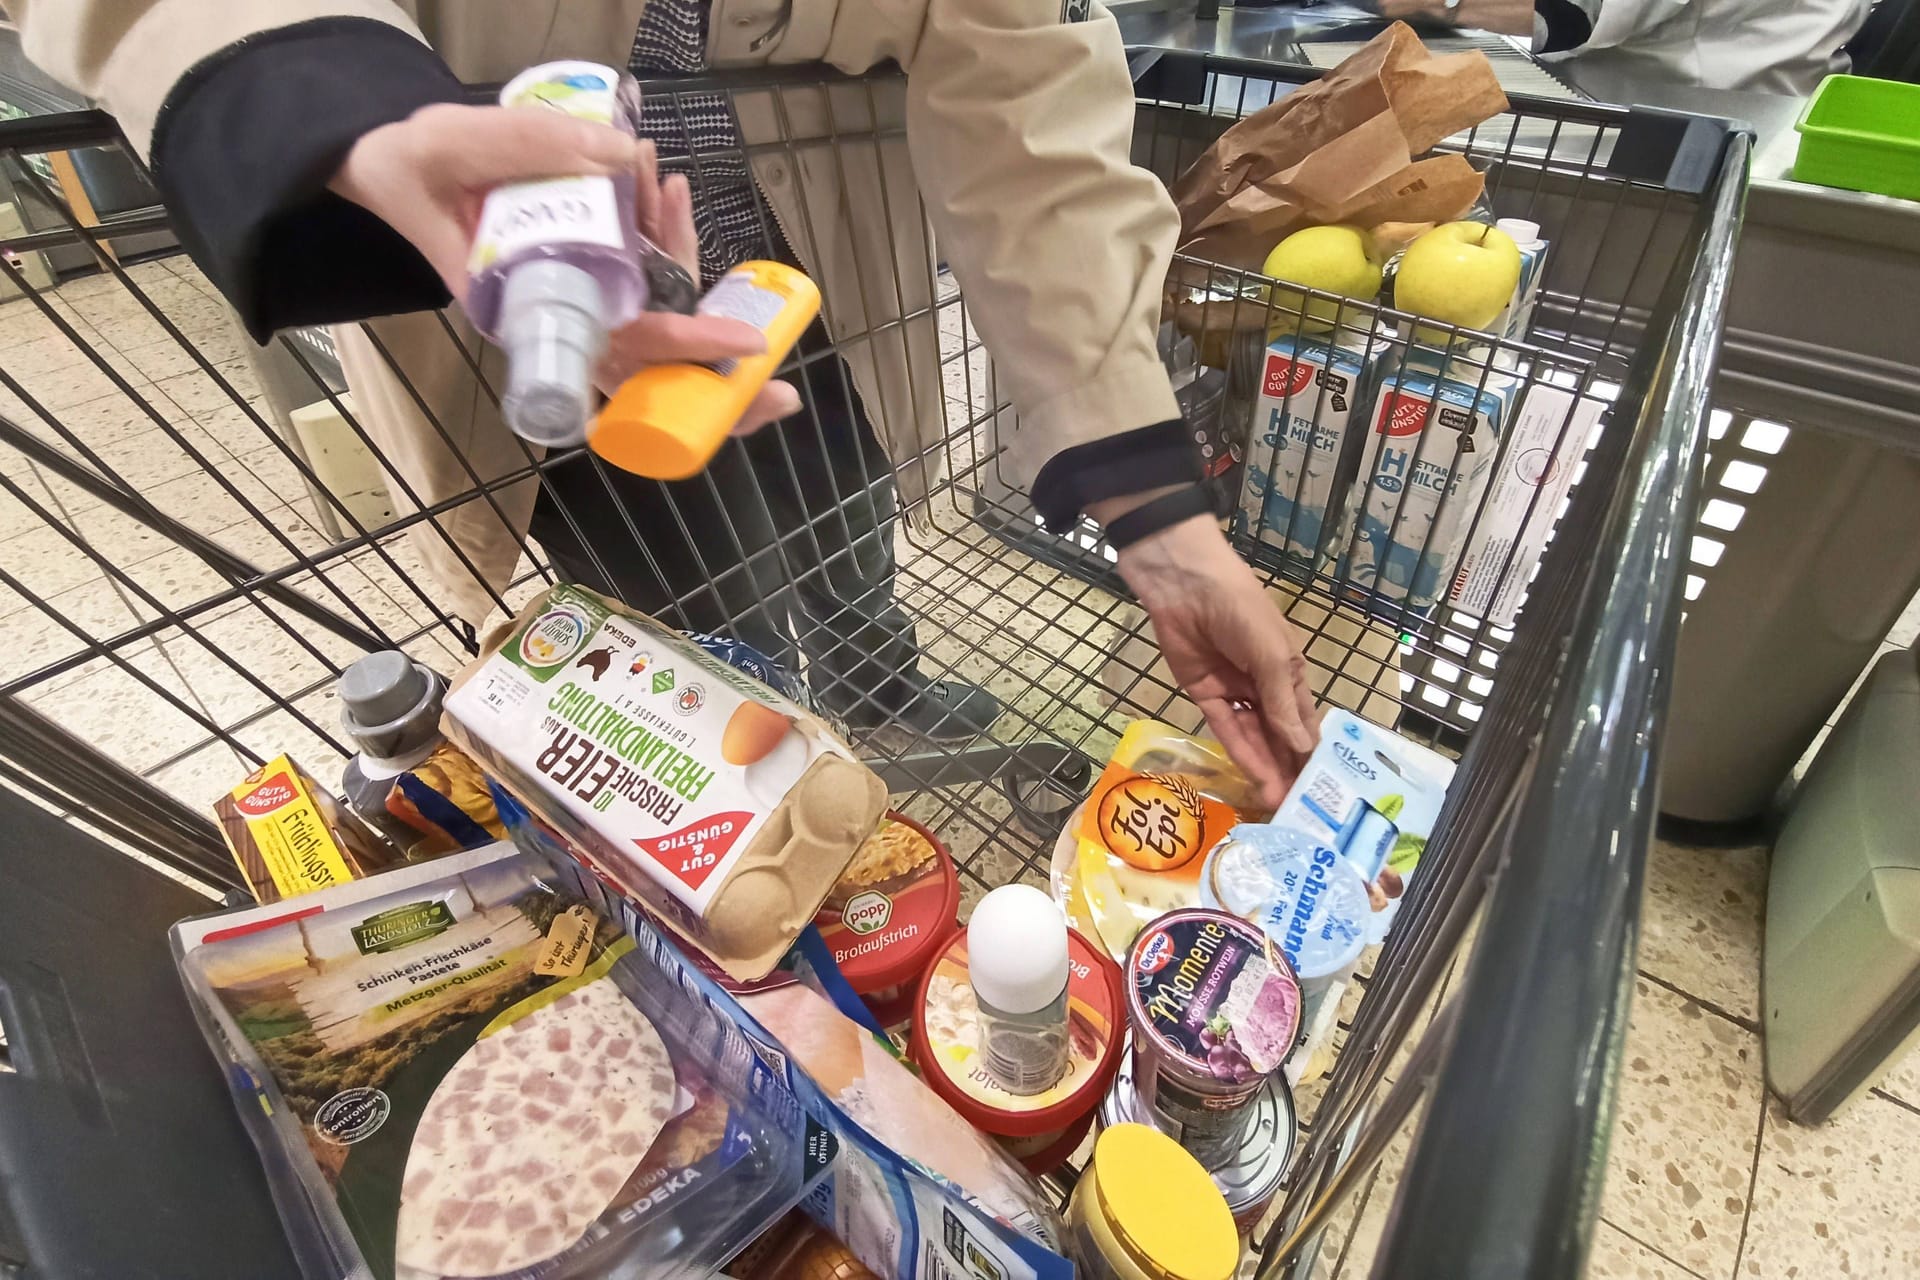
1131,462
245,145
1162,512
1568,26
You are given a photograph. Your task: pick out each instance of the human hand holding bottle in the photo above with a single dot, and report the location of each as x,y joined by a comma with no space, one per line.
427,177
665,214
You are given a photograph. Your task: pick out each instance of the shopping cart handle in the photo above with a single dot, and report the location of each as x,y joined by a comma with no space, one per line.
1677,150
1141,61
1169,75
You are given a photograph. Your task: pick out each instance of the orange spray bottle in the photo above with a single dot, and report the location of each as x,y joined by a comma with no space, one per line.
666,422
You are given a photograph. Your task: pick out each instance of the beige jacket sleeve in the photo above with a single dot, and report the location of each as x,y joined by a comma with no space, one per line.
1020,122
127,55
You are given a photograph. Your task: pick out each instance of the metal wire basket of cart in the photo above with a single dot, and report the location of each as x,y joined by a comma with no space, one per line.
202,533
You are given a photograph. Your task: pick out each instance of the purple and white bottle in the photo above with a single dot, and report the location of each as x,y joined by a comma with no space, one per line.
559,263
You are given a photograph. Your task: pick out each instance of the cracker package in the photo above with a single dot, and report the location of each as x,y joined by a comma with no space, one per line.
290,836
724,808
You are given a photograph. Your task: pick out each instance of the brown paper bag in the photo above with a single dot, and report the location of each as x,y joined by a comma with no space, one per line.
1342,150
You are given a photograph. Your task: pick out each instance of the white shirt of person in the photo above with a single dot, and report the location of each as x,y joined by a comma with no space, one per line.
1768,46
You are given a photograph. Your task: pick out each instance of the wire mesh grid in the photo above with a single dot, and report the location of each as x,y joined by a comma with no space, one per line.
201,533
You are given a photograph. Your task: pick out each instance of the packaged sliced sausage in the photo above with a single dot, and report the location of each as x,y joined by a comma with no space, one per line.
464,1068
726,809
916,1192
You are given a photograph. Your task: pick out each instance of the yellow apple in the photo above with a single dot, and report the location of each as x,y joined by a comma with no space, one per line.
1460,273
1334,259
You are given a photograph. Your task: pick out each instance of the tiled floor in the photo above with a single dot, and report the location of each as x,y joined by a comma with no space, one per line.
201,453
1707,1179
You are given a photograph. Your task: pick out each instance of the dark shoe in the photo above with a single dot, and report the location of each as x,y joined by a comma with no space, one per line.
943,710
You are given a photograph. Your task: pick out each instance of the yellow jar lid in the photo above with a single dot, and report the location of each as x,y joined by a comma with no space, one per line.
1162,1205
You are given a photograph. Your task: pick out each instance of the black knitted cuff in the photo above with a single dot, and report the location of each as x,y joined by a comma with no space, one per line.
245,145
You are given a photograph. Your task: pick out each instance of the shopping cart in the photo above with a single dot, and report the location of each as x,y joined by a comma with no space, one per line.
192,560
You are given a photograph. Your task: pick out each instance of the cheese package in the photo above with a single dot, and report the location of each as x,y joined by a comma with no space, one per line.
1140,840
289,835
724,808
464,1069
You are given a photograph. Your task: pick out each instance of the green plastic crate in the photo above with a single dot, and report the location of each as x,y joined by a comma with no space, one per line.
1863,135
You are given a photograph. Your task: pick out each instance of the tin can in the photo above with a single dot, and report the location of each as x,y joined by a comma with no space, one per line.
1249,1172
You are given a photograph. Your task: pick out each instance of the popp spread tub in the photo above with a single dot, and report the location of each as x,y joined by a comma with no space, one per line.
889,913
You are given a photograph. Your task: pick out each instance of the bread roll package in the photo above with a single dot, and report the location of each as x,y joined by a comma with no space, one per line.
724,808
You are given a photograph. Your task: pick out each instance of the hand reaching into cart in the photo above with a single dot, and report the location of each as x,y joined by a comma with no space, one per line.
1227,644
427,176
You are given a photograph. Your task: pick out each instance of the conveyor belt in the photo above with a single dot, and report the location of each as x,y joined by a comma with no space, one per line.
1517,70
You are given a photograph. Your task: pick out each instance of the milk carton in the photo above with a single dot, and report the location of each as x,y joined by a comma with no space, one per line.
1310,391
1550,430
1533,259
1427,461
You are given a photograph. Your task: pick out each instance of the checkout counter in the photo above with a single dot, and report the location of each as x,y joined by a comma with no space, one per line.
1817,558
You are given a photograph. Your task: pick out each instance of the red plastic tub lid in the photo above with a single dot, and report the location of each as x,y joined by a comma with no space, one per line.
894,906
945,1040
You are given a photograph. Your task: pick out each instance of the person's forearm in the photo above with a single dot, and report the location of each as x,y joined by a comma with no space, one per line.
1561,26
1106,478
244,148
1021,126
1508,17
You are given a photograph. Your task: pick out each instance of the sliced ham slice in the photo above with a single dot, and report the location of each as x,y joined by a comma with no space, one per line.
529,1137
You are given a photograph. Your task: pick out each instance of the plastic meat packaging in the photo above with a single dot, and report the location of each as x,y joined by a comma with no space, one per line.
920,1195
462,1068
916,1192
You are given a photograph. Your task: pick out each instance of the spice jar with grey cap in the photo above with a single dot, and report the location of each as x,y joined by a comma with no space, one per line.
413,786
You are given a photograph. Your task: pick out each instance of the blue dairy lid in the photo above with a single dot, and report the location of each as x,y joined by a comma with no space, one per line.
1311,901
744,657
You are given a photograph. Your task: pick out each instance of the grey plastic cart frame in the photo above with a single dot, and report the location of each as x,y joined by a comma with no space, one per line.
1545,831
